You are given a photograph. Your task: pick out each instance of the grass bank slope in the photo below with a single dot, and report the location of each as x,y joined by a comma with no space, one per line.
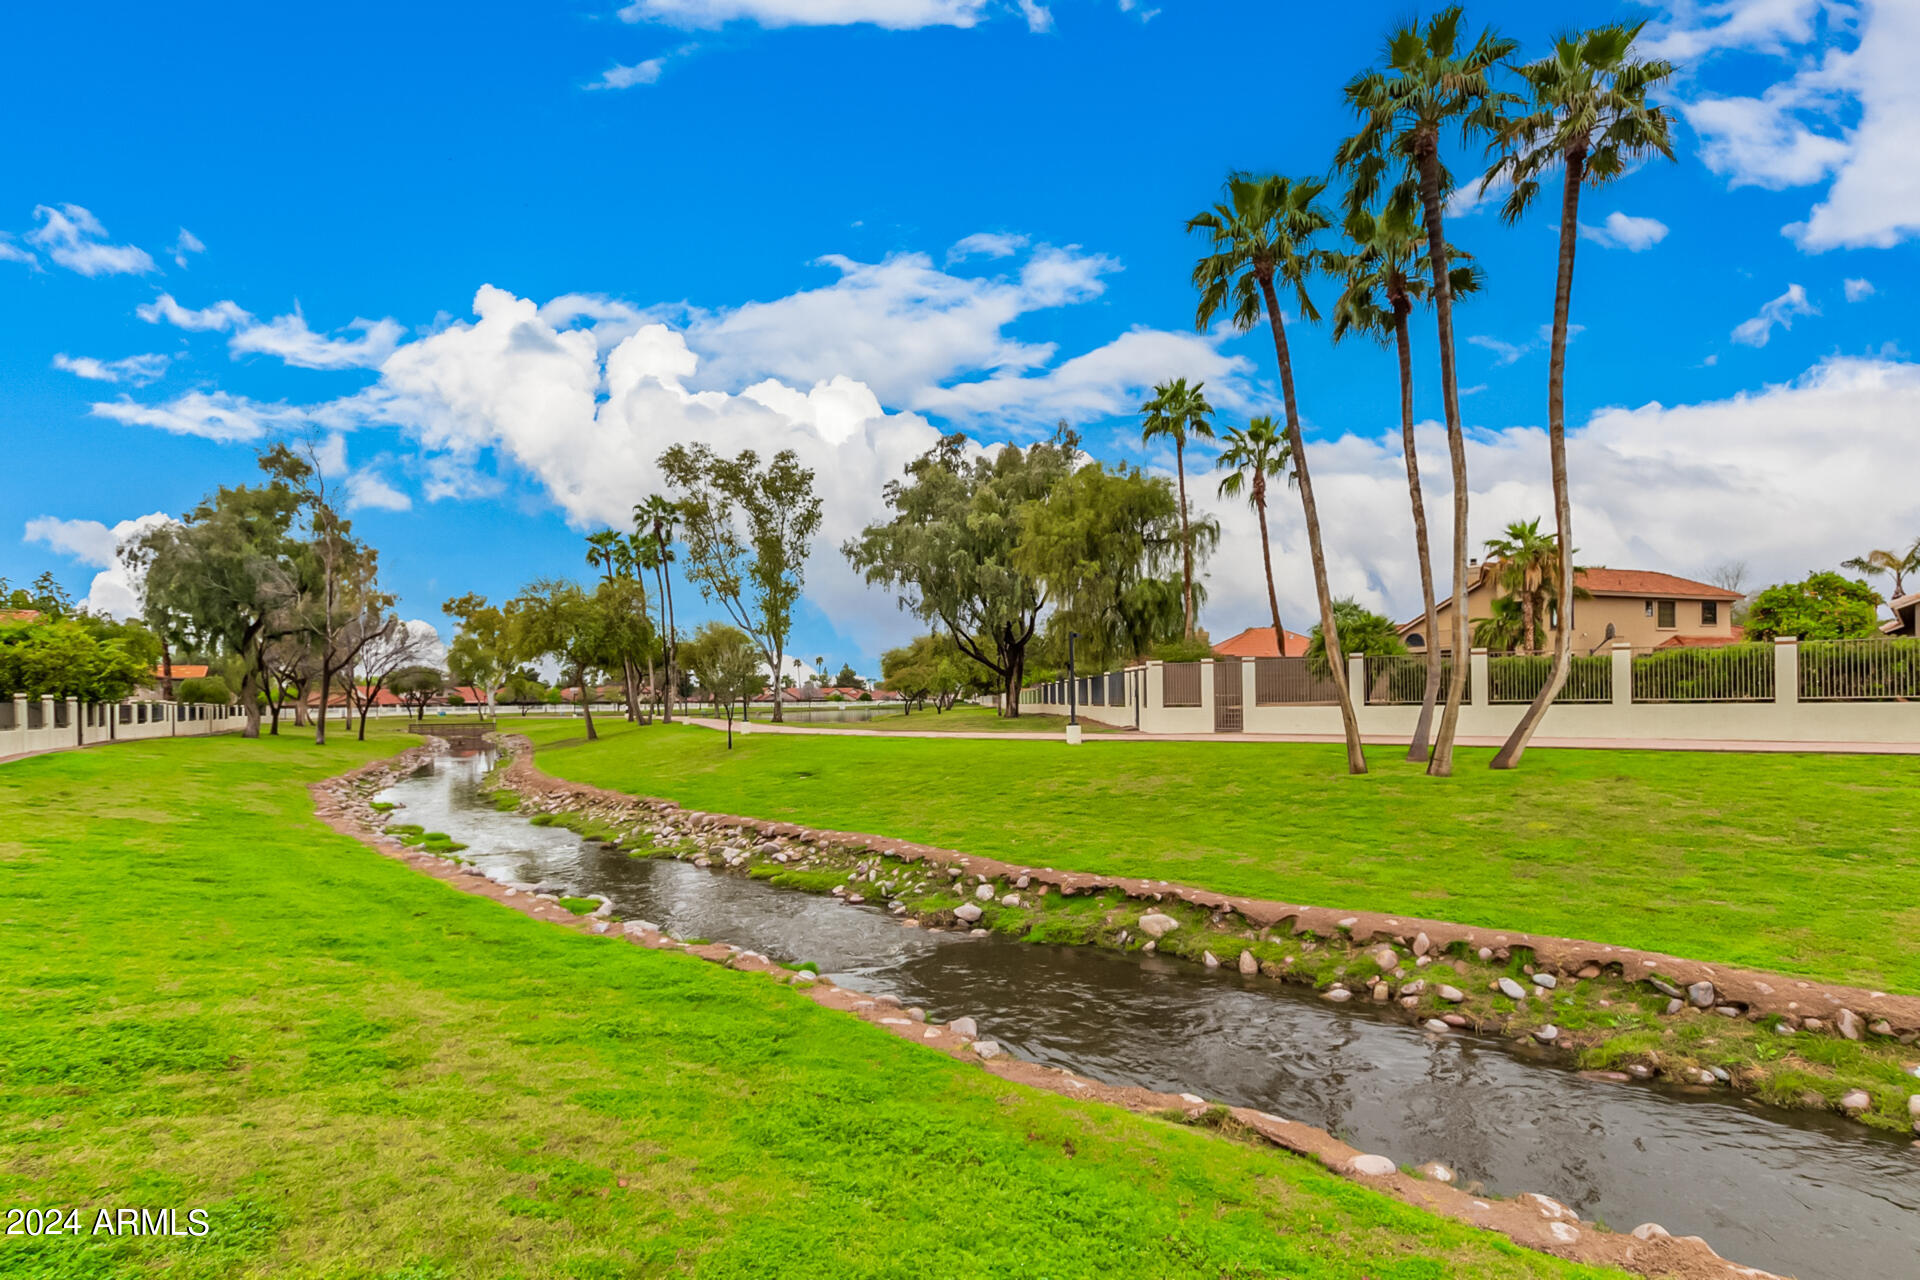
1802,864
214,1002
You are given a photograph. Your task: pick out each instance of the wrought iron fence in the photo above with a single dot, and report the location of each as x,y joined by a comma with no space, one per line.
6,715
1878,669
1117,689
1395,680
1279,682
1519,677
1729,673
1180,684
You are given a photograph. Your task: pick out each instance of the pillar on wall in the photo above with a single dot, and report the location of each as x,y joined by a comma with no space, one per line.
1786,671
20,711
1356,680
1622,655
1206,691
1479,679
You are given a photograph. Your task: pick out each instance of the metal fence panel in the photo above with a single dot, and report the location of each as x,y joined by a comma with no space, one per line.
1882,669
1396,680
1519,677
1729,673
1281,682
1117,689
1180,684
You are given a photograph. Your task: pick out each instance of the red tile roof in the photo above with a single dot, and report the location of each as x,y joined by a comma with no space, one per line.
183,671
1702,642
1257,642
1647,582
19,615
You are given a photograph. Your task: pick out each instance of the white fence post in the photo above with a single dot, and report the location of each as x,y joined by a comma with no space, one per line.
1207,699
1786,671
1479,679
1357,680
1622,655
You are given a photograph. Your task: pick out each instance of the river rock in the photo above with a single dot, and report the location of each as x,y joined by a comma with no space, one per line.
1210,960
1486,953
1011,900
967,911
964,1027
1454,1020
1640,1071
1651,1231
1913,1106
1339,995
1847,1023
1157,924
1881,1027
1381,992
1664,988
1700,995
1434,1024
1422,944
1722,1074
1370,1166
987,1048
1249,965
1434,1171
1547,1034
632,927
1385,958
1546,980
1855,1101
984,893
1512,990
1675,1006
1588,972
1022,882
954,873
1452,995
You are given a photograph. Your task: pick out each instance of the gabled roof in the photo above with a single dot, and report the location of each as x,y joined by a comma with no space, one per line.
1647,582
1738,635
1258,642
183,671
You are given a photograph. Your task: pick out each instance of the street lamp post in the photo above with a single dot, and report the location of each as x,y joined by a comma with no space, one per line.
1073,685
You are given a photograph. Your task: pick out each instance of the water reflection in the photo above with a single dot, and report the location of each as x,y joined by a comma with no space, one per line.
1801,1194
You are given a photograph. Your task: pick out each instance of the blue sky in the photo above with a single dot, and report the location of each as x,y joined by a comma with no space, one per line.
847,225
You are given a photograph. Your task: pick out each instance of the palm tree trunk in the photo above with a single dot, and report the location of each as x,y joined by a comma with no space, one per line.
1441,765
1266,557
1516,744
1336,660
1186,536
1417,749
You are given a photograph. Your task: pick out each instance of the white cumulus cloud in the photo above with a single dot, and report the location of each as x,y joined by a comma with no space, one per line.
1858,289
115,589
216,415
1624,231
898,15
219,317
288,338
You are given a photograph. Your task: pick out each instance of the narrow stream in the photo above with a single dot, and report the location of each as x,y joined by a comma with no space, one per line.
1799,1193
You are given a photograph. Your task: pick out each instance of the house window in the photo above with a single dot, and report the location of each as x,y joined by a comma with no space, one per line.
1710,613
1666,620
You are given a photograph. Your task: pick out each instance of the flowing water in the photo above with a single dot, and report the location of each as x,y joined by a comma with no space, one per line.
1798,1193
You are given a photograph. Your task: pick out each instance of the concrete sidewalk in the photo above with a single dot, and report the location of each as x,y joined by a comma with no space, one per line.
1127,735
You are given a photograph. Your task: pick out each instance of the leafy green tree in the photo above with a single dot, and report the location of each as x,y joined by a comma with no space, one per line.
930,668
849,678
747,529
1824,607
45,596
1262,233
1586,114
1093,539
1179,413
223,575
1882,562
726,662
556,619
207,690
524,689
950,551
1361,631
55,657
483,648
416,687
1382,275
1429,88
1250,456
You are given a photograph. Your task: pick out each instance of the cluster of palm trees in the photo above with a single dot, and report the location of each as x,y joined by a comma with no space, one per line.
1881,562
628,556
1583,111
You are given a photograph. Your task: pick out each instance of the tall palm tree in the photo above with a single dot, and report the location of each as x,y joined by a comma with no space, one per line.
1179,413
655,521
1898,563
1251,454
1383,279
1429,87
1586,112
1262,232
610,553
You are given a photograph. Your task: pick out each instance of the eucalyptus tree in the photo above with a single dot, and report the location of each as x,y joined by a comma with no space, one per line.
1179,413
1585,113
1262,233
1382,274
748,529
1430,87
483,649
1250,455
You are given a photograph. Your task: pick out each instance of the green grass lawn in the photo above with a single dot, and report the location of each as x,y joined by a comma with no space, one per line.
213,1002
1804,864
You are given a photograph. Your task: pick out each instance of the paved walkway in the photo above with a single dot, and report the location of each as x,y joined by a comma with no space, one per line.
1128,735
